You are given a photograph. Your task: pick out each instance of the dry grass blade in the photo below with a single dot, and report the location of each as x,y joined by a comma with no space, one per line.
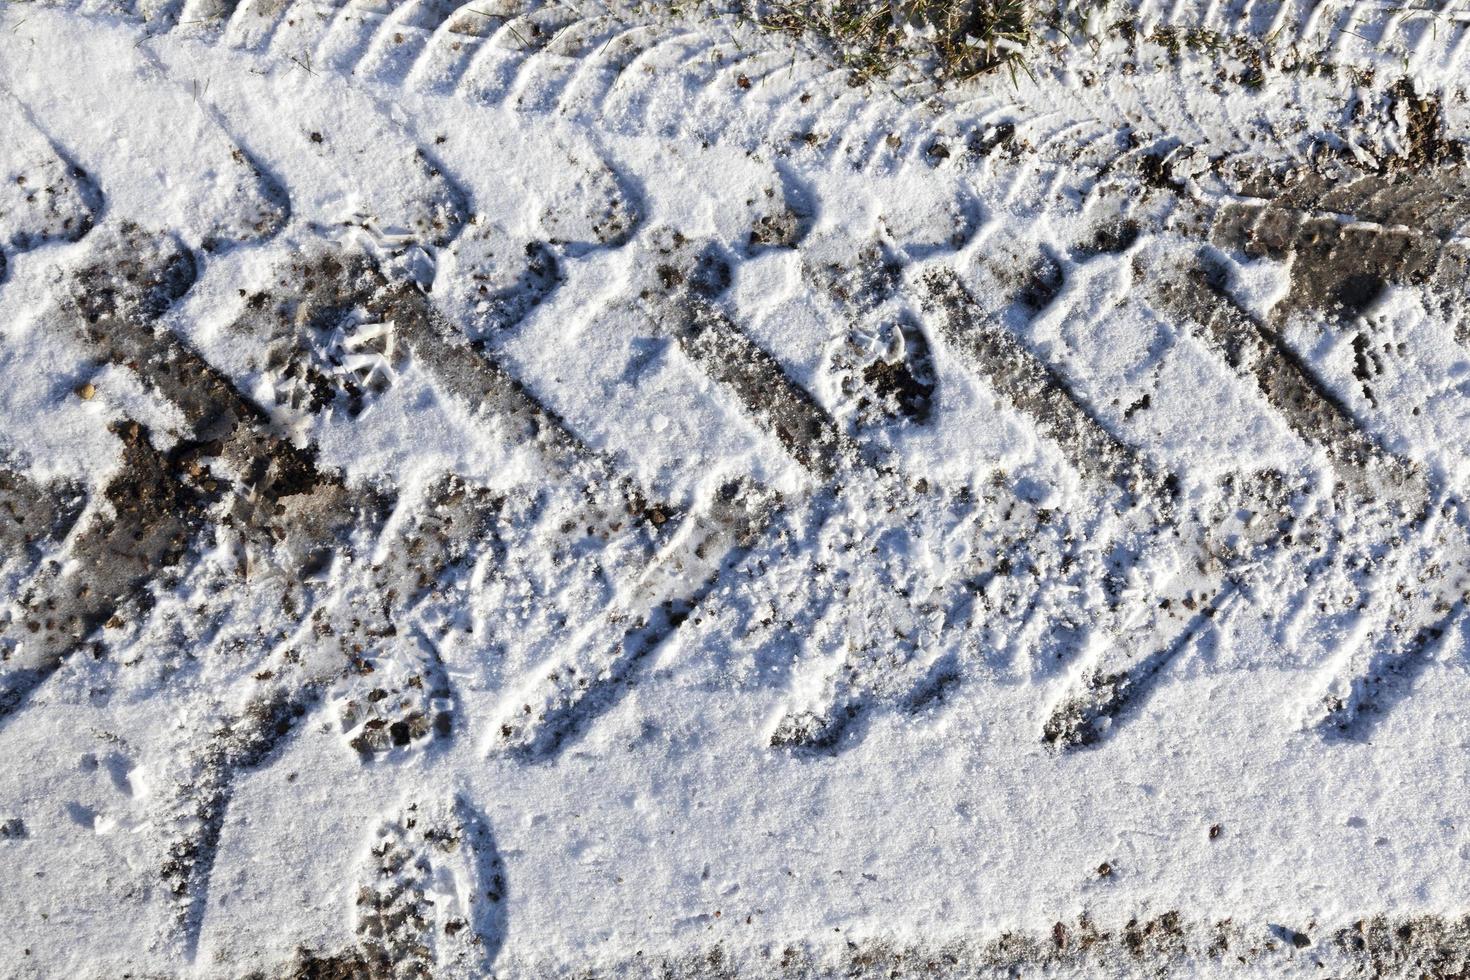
952,40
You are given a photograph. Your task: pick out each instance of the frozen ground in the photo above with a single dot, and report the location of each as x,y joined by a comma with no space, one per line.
580,489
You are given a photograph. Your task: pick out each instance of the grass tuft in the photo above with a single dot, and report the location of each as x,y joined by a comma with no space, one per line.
952,40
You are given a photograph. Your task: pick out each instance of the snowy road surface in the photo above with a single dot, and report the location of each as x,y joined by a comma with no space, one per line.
580,489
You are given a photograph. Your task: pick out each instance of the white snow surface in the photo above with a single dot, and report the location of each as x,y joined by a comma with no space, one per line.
669,824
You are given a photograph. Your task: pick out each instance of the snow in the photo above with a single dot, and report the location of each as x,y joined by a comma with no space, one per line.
951,580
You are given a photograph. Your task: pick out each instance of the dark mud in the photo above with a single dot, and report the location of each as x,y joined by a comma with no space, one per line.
1351,231
152,514
274,484
34,519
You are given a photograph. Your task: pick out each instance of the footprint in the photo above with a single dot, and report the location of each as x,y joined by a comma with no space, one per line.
432,894
397,697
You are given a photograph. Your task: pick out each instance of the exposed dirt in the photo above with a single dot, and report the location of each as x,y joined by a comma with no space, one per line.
1169,944
1348,230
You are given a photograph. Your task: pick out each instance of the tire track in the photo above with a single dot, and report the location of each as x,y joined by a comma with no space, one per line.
1193,585
1195,559
900,652
528,39
228,469
415,280
1348,235
558,30
145,518
386,682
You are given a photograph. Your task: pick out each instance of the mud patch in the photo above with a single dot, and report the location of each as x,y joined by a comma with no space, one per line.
34,518
1348,230
153,511
886,375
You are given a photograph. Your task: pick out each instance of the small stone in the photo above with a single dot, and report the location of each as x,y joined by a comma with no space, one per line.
12,829
85,391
